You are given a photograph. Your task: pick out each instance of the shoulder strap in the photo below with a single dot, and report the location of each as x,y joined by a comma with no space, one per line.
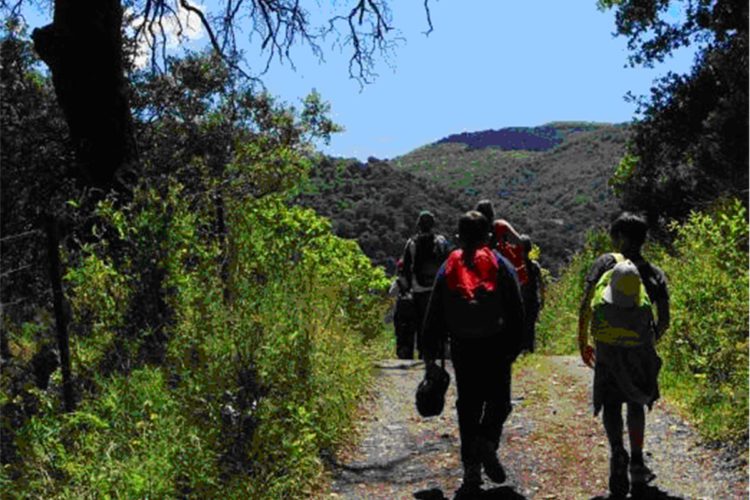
618,257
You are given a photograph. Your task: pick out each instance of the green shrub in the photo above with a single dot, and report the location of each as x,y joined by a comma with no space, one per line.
557,330
233,394
705,351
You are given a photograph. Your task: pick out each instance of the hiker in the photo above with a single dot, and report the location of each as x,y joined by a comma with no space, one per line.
405,315
423,255
532,293
623,286
476,303
505,239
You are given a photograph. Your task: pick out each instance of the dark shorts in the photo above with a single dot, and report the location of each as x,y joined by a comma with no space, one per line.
626,375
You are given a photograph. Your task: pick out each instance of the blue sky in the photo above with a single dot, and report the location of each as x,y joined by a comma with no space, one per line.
488,64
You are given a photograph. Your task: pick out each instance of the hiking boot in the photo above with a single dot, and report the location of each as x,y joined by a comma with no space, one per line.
468,491
618,473
488,457
640,474
471,487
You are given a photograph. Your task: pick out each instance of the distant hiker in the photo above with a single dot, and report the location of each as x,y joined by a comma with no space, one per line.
424,253
505,239
405,321
477,304
620,289
532,293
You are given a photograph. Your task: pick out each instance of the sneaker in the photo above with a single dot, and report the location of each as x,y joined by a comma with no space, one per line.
618,473
640,474
488,457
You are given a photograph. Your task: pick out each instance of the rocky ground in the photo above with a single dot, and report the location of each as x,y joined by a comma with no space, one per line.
552,446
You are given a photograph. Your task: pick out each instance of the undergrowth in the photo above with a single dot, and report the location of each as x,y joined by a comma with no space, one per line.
197,383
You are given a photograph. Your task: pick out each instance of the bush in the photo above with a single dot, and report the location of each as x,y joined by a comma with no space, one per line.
188,390
557,330
705,351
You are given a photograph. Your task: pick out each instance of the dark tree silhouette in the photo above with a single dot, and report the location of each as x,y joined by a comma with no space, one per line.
692,144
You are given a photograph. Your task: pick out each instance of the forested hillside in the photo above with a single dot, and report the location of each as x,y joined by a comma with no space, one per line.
378,205
553,194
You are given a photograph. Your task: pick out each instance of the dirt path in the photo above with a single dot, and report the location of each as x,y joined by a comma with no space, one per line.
552,446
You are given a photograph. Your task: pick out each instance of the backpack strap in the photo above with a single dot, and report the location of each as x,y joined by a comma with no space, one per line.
618,257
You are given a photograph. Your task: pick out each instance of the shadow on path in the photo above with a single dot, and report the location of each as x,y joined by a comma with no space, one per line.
497,493
384,466
643,493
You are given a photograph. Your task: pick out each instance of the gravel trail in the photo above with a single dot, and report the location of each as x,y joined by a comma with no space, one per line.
552,446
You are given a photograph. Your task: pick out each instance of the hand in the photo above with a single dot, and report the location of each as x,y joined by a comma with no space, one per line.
587,355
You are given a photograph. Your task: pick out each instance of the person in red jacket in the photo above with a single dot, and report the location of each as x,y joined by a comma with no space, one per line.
476,303
506,240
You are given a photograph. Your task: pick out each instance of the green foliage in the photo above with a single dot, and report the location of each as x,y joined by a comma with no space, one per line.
706,347
557,330
285,360
220,338
623,172
705,350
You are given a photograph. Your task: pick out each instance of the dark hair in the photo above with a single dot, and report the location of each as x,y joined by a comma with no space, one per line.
425,221
525,243
631,226
473,229
485,208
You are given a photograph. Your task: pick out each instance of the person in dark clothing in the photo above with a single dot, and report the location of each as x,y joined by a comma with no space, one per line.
476,302
423,255
532,293
405,321
625,373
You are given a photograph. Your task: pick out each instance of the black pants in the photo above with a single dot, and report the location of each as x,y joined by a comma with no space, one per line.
529,327
483,379
405,324
421,300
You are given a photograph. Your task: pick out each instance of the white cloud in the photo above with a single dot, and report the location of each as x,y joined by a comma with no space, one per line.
184,27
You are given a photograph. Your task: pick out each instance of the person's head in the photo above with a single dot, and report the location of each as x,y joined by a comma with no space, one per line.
485,208
628,231
425,221
525,244
501,228
473,229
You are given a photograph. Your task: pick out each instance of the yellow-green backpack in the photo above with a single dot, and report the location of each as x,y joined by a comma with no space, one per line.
616,326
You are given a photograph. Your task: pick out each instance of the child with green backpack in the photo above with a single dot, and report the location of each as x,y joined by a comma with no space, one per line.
617,304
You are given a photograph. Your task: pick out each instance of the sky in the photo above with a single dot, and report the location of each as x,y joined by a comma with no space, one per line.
488,64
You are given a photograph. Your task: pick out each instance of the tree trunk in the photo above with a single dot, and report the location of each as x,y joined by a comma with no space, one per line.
83,49
61,315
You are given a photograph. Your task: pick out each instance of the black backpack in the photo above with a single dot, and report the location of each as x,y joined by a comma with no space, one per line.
428,257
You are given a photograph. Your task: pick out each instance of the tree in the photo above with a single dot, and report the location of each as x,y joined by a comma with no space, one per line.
691,146
83,48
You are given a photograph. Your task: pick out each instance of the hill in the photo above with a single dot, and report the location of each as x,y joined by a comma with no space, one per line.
553,193
378,205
